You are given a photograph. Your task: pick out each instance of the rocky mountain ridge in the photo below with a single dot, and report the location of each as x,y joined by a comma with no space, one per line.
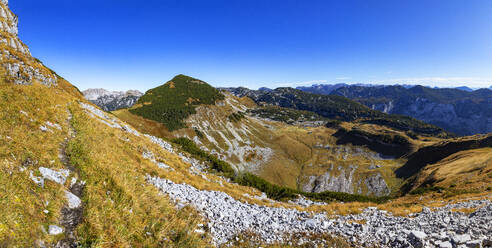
112,100
460,112
336,107
16,59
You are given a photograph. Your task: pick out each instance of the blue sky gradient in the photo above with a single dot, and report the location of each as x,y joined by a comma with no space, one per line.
122,44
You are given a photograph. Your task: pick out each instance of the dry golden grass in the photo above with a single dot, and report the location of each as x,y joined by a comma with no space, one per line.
116,190
121,210
464,210
466,170
250,240
24,148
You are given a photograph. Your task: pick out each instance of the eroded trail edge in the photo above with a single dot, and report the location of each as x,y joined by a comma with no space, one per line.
72,213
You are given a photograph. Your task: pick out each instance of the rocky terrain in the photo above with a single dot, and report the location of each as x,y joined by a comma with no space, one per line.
112,100
16,59
438,227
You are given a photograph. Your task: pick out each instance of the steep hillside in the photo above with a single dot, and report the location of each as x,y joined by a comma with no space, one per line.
460,112
112,100
437,152
464,171
16,59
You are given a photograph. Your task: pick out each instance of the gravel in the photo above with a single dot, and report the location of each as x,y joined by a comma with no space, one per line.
228,217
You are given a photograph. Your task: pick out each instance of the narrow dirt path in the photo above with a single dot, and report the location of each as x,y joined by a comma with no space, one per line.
71,217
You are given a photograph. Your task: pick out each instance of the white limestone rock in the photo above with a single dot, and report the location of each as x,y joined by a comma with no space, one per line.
55,230
73,200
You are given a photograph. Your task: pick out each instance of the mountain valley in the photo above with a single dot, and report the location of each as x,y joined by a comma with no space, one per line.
189,165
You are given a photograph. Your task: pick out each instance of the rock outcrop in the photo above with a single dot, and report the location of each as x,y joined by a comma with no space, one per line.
343,180
376,185
330,182
15,57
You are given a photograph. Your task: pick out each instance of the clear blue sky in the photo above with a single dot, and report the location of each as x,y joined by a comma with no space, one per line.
122,44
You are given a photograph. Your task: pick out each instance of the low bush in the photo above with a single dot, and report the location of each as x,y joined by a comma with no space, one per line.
235,117
424,190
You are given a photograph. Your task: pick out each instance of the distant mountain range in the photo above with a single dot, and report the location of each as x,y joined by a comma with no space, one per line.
462,111
112,100
326,89
335,107
465,88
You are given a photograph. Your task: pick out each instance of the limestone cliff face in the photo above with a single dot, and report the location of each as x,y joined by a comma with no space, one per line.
346,182
15,57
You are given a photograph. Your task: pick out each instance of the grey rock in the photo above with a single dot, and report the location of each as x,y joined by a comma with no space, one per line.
474,244
376,185
55,230
445,244
56,176
73,200
461,239
417,238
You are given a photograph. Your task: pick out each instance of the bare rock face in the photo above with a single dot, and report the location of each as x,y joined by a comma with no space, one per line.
376,185
329,182
345,182
15,57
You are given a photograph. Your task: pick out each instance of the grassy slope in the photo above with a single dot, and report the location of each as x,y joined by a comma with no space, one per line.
434,153
466,170
106,163
22,141
174,101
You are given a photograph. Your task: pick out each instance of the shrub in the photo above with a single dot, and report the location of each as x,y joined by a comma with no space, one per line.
424,190
235,117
